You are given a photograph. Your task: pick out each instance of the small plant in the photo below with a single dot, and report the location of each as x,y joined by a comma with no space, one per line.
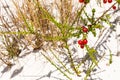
35,24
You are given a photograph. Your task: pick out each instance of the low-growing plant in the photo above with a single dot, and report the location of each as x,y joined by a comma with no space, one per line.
36,24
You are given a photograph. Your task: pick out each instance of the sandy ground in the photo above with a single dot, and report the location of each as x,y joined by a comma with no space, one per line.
35,67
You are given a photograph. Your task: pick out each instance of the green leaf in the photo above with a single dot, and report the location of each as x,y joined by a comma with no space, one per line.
108,16
91,53
87,1
94,32
93,10
99,26
118,1
110,60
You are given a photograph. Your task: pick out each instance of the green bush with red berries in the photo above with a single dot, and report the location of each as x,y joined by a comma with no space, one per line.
35,24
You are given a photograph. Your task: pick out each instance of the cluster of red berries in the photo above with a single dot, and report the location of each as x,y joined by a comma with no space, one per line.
109,1
82,43
105,1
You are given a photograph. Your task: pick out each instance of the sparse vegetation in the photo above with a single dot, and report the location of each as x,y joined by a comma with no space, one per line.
36,24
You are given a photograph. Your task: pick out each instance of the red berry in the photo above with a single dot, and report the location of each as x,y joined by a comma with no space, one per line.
85,29
80,42
109,1
114,7
81,1
82,46
104,1
85,41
